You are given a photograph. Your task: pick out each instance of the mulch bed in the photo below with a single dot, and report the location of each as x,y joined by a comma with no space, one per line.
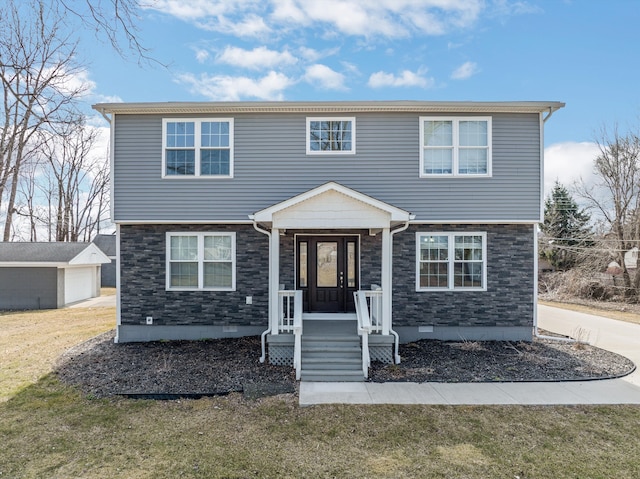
169,369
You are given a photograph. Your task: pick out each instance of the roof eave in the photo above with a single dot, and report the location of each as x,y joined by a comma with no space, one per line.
329,107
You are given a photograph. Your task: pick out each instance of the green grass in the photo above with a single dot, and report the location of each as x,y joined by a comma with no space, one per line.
50,430
31,341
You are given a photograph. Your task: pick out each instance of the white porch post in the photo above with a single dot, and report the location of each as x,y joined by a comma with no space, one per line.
386,281
274,279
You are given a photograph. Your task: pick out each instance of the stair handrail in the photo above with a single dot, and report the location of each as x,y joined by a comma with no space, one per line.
364,328
297,332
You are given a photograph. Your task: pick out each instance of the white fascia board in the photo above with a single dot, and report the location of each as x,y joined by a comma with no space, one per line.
475,222
168,108
182,222
32,264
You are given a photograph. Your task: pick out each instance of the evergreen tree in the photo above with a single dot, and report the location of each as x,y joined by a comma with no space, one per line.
566,229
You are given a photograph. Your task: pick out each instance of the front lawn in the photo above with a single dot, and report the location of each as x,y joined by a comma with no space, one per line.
31,341
51,430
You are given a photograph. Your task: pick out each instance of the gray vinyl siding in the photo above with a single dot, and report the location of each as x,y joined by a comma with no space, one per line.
271,165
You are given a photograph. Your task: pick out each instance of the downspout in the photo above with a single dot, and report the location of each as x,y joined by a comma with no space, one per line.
104,115
263,336
395,335
536,333
551,111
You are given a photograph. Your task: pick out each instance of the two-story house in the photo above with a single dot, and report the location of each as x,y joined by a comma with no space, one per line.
335,230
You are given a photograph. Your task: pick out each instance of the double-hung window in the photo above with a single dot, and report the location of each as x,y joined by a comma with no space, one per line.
197,147
451,261
331,135
201,261
455,146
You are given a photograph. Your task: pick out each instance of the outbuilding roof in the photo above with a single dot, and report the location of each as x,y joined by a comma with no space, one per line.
107,243
18,253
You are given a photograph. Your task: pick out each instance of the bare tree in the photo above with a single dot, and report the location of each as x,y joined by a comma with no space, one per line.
616,196
78,182
36,63
116,20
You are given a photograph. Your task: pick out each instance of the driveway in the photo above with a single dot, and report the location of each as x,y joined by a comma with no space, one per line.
610,334
99,302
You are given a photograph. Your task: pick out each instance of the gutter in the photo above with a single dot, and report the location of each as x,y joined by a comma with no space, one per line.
263,336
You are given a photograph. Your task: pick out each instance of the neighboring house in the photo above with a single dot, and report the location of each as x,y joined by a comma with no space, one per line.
48,275
266,217
107,244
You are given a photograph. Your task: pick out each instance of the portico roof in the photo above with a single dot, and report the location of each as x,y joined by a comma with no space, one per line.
332,205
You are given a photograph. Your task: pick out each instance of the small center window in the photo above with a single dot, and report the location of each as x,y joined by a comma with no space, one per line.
331,136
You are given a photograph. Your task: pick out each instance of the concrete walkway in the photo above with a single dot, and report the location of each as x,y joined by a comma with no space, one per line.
617,336
107,301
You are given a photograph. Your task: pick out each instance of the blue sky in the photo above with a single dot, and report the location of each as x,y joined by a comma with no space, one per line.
582,52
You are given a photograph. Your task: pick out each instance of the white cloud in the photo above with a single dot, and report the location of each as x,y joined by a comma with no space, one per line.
231,88
250,26
324,77
406,79
311,55
385,18
202,55
256,59
569,162
464,71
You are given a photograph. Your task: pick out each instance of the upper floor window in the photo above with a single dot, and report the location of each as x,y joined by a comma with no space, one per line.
451,261
455,146
202,147
201,261
331,136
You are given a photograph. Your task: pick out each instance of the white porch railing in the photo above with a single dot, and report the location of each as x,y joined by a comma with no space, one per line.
364,328
374,301
290,321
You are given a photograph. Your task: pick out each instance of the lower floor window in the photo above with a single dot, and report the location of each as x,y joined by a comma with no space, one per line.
450,261
201,261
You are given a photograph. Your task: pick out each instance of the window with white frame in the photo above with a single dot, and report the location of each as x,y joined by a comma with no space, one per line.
451,261
331,135
455,146
203,261
197,147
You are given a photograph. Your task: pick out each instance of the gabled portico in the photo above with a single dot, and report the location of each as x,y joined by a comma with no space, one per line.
333,208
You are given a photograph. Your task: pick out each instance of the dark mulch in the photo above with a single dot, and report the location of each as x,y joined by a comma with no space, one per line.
167,369
486,361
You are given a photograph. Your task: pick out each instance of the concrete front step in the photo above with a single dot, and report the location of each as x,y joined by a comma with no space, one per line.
331,376
331,358
354,364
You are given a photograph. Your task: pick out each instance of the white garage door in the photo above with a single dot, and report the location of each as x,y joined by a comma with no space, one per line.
79,283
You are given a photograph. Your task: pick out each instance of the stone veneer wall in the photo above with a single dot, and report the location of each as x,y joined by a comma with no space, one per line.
143,273
508,301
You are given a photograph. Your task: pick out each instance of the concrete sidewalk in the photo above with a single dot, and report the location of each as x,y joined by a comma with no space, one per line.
617,336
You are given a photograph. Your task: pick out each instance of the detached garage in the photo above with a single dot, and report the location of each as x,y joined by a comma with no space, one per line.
48,275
